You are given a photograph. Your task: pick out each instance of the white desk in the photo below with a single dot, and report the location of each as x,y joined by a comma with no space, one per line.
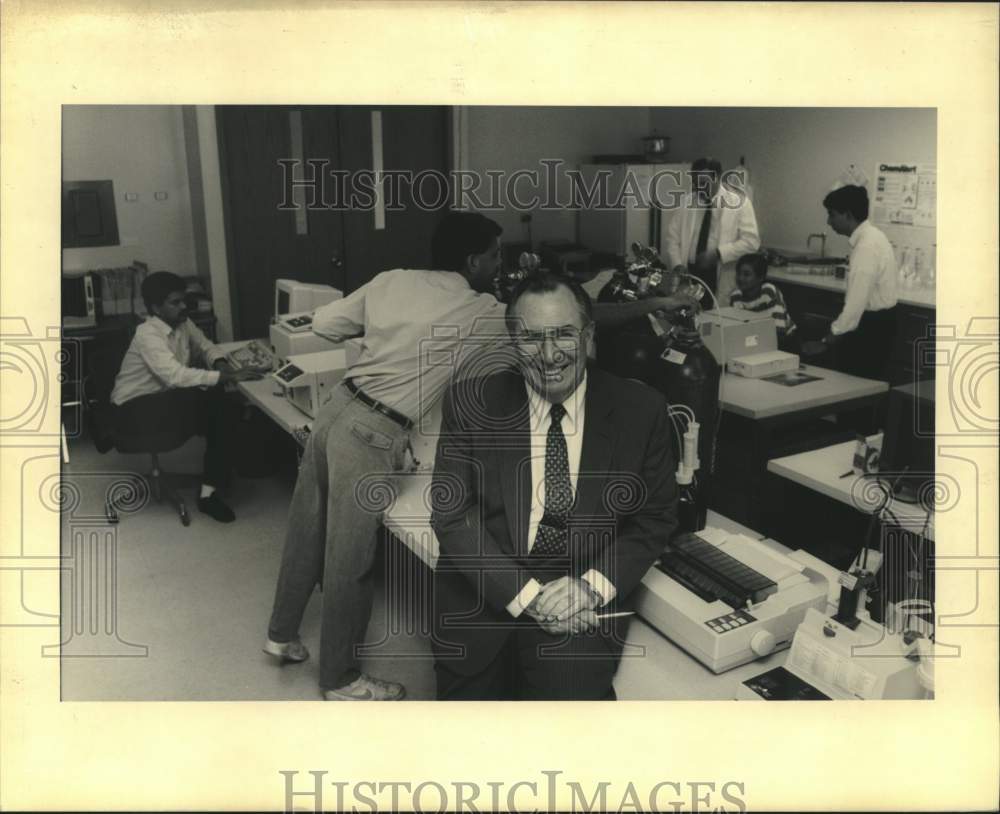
652,667
821,471
757,399
266,394
409,518
769,405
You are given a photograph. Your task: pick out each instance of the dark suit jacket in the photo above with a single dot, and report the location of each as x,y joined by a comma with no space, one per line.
625,509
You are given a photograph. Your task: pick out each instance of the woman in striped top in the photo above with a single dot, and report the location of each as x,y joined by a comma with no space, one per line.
755,294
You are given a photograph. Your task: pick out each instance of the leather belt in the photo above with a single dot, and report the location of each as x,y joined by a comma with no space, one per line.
378,406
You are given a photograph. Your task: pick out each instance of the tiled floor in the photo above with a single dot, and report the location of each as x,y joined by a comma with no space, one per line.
180,613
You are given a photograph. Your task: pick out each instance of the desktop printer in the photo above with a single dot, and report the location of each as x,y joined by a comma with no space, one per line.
732,332
759,365
847,655
727,599
832,660
308,379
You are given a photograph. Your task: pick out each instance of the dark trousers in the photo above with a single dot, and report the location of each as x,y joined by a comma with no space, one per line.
536,666
183,413
866,352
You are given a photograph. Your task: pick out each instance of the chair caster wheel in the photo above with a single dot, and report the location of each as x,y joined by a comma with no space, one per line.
185,517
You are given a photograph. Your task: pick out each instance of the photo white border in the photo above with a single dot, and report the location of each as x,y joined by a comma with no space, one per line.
104,756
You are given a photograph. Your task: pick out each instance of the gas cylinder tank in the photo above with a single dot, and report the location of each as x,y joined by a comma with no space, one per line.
685,373
688,374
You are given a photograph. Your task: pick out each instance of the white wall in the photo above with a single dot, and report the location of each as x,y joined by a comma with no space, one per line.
141,149
796,154
514,138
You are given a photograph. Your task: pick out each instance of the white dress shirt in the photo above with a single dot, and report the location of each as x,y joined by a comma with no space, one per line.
162,358
733,232
871,279
540,419
417,326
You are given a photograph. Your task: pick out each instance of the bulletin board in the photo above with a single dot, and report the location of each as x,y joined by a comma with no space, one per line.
904,206
905,195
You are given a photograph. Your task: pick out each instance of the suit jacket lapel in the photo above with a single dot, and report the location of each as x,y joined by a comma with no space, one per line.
595,455
514,455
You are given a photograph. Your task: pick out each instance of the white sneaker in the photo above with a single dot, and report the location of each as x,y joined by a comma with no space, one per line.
293,651
367,688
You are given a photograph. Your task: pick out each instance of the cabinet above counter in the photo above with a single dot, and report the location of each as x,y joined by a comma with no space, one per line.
919,297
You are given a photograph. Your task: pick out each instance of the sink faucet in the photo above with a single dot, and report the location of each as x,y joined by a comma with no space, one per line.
822,242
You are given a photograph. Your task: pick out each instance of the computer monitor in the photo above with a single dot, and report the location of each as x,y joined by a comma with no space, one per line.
294,297
907,458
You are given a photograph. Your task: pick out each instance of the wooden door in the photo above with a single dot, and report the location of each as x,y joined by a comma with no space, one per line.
335,245
266,242
414,140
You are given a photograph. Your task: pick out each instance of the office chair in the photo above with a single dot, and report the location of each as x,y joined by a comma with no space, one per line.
158,433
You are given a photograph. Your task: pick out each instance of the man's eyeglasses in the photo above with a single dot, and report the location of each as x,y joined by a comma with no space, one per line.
566,338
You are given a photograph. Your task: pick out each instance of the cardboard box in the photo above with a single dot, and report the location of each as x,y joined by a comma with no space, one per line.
758,365
732,332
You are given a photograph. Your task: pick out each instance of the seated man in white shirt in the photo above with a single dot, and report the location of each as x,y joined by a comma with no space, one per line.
171,373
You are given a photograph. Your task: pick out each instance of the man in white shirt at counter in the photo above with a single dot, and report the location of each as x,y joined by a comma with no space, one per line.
412,322
170,375
863,333
712,230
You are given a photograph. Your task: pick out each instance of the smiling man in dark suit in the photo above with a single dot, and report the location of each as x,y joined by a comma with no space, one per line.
555,493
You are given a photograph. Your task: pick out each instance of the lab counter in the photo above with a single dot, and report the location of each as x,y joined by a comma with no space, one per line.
815,300
807,276
829,472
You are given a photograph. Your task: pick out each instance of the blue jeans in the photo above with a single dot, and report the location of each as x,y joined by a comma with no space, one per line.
340,496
